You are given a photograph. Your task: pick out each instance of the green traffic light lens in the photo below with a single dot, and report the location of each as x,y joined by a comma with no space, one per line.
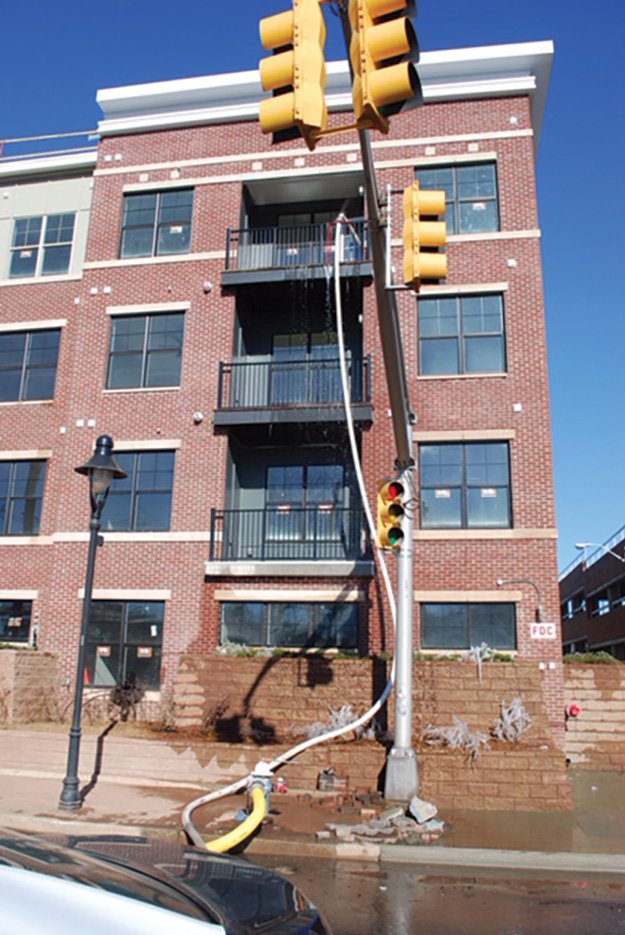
395,536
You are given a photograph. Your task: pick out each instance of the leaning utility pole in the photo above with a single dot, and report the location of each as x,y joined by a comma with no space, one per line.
401,776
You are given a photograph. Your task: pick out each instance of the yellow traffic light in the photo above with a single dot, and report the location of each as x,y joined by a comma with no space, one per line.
382,51
418,233
296,73
390,514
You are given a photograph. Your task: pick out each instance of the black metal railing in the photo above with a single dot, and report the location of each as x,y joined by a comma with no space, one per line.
323,532
254,248
285,383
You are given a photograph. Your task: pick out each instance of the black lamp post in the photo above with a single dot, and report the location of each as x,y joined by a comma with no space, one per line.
101,469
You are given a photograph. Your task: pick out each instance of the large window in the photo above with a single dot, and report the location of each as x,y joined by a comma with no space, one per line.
157,223
463,626
21,493
41,245
146,350
302,502
15,621
28,362
305,368
465,486
461,335
470,193
297,626
124,641
141,501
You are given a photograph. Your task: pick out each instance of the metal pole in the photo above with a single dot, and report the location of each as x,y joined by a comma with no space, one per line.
70,796
401,776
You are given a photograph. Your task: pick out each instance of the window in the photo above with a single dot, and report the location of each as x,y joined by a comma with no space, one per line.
471,196
157,223
599,604
146,351
302,502
463,626
465,486
142,501
42,245
124,641
297,626
305,368
15,619
21,493
461,335
28,362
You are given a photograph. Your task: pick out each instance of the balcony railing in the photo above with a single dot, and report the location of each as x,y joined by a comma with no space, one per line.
256,248
289,383
323,532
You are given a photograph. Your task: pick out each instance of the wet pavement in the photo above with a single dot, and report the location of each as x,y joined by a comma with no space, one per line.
131,800
361,899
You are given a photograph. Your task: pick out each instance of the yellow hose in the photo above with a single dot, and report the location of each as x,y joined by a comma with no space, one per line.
227,841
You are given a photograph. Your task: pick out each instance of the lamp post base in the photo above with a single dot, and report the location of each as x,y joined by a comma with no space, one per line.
401,781
70,800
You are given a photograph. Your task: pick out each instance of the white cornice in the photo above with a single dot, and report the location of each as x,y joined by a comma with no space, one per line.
50,165
454,74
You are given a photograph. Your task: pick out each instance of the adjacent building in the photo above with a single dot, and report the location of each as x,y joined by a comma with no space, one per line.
172,287
592,599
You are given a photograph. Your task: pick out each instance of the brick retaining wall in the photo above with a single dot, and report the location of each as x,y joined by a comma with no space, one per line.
596,739
264,698
29,684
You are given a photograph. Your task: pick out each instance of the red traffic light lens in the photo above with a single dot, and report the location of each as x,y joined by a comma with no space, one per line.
395,490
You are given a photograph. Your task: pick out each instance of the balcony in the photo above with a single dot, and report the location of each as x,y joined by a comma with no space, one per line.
302,251
323,539
267,392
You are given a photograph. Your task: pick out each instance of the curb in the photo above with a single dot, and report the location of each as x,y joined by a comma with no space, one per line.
454,859
475,858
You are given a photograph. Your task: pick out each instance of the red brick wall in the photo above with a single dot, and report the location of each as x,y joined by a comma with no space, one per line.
57,570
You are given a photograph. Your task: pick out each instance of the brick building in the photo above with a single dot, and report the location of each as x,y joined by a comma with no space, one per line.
592,599
169,288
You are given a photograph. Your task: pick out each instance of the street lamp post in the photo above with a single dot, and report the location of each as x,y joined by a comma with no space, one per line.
101,469
585,545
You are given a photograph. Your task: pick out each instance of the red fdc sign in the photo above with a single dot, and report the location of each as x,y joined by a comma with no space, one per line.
543,631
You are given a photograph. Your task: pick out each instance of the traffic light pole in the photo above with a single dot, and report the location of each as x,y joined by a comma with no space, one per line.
401,777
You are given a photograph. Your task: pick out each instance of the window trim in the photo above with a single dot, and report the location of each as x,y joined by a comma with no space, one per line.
10,499
134,492
457,201
40,247
464,487
26,368
156,225
146,353
461,337
123,642
468,605
316,608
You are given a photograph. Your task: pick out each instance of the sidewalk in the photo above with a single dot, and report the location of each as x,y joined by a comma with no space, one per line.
125,798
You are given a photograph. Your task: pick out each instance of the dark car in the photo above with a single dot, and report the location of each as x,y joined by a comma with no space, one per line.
223,890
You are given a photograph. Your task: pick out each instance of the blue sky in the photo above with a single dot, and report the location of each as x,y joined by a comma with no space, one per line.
56,56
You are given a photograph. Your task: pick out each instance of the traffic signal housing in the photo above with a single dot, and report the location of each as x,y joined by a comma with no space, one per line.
382,51
420,235
296,73
391,513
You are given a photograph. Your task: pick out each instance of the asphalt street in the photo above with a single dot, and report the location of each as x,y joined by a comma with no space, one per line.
385,899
